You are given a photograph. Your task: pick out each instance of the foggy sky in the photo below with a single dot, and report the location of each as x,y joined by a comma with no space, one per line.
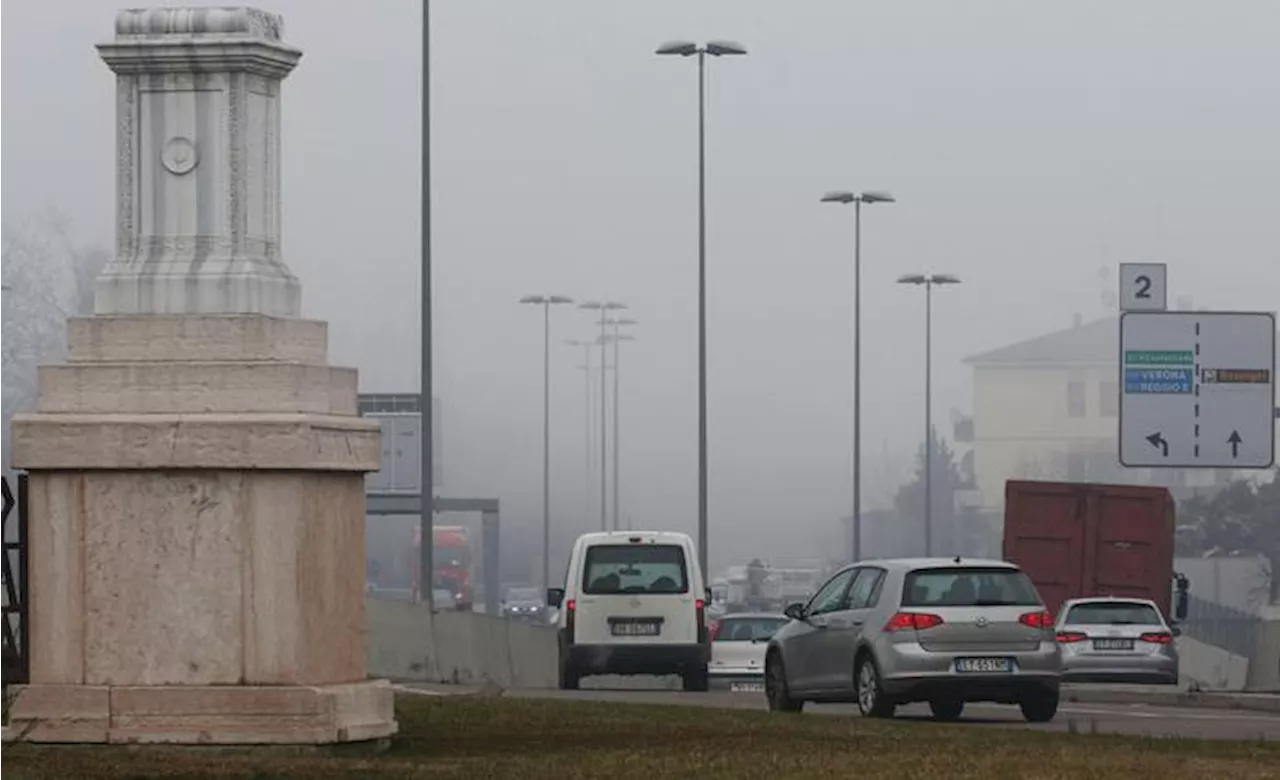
1029,145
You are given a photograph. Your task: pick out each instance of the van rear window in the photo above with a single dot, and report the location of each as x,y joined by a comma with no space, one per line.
634,568
971,586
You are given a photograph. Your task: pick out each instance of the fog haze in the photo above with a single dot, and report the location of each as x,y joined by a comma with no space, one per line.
1029,145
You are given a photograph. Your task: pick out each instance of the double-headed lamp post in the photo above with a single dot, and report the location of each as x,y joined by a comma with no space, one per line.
617,338
603,307
928,281
546,302
845,197
714,49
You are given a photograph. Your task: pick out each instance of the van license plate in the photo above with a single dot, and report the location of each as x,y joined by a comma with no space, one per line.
1113,644
746,687
971,665
635,629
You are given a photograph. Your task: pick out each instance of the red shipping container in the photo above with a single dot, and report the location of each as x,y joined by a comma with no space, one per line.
1080,539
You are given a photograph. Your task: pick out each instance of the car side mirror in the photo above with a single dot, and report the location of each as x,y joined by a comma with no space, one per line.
794,611
706,596
1175,630
555,596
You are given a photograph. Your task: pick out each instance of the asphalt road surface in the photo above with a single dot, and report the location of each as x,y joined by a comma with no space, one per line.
1073,717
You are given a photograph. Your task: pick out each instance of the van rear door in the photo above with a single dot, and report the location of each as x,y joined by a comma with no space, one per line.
636,592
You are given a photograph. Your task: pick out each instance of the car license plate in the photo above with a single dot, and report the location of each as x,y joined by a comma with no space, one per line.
979,665
646,628
1113,644
746,687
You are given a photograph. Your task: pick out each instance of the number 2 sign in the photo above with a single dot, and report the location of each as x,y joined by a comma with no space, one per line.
1144,287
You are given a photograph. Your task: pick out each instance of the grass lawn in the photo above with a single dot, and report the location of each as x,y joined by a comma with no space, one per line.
475,737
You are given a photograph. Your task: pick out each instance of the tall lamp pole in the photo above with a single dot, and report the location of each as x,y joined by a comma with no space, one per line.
928,281
426,547
603,307
618,337
586,428
841,196
714,49
546,302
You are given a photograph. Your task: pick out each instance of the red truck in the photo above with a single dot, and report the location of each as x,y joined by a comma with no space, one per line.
1079,539
452,560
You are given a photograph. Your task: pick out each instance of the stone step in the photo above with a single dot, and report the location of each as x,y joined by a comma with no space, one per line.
196,388
195,337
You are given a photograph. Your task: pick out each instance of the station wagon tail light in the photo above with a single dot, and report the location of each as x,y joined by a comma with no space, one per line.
1157,637
1042,619
903,621
1067,637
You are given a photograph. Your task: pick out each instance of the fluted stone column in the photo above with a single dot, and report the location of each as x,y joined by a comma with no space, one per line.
196,544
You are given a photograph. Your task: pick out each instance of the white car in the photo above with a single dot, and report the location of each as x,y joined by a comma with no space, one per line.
738,645
633,602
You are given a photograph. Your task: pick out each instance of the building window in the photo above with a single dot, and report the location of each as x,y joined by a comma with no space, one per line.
1109,399
1075,399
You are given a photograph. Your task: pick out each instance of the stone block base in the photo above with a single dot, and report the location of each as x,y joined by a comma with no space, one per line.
202,715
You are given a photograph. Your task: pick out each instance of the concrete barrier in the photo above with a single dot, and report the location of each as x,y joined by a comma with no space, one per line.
1264,669
406,641
1209,667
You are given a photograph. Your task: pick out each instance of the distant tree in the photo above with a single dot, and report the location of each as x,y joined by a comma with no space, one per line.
946,479
1241,519
47,278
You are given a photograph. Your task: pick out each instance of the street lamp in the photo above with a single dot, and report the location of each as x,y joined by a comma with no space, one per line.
546,302
841,196
928,281
689,49
586,428
604,307
618,337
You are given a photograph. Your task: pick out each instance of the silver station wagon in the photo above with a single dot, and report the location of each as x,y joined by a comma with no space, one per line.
940,630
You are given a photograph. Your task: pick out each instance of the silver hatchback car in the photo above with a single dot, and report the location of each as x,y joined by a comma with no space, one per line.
942,631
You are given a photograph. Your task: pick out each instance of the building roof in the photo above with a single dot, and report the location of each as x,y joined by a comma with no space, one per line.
1093,343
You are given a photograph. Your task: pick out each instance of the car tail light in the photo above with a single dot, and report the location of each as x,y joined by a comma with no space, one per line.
912,620
570,606
1042,619
1158,637
713,630
1067,637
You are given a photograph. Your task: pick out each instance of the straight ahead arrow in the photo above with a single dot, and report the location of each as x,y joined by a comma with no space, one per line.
1157,440
1234,440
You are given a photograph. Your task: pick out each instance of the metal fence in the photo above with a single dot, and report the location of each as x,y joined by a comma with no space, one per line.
1233,630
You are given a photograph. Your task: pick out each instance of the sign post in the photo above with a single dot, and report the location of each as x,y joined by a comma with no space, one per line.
1197,389
1144,287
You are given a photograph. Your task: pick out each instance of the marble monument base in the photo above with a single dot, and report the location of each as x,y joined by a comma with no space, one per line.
197,538
201,715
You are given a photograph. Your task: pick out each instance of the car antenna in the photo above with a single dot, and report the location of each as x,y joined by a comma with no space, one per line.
957,559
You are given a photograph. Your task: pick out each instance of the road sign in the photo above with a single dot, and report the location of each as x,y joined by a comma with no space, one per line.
1197,389
1144,287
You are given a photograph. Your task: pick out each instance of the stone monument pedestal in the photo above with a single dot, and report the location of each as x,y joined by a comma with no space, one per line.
196,492
197,540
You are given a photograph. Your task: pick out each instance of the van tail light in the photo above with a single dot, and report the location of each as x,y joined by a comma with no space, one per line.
1157,637
1067,637
700,606
919,621
1041,619
713,630
570,610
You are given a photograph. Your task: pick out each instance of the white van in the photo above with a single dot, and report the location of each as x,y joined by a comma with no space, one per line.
633,602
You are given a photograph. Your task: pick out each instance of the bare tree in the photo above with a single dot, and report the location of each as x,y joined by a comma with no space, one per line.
48,278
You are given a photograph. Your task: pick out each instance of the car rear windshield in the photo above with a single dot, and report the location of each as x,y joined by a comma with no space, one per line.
748,629
524,594
1114,613
634,568
972,586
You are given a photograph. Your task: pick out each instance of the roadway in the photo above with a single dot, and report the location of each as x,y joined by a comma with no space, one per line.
1073,717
